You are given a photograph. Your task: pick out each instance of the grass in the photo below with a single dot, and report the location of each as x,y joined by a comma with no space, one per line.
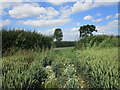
99,67
99,41
23,70
64,68
61,69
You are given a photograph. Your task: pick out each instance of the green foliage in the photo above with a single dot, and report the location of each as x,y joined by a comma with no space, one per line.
46,62
58,34
99,67
23,70
61,68
100,41
64,70
24,40
64,44
70,78
26,68
86,30
51,81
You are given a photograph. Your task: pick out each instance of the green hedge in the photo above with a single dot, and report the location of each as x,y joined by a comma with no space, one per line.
24,40
65,44
98,41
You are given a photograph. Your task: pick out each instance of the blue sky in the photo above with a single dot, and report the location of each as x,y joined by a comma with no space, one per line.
44,17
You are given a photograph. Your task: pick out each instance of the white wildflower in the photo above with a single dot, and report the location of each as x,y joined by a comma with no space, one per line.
82,81
48,67
82,87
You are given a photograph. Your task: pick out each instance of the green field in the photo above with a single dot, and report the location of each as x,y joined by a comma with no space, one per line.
91,63
63,68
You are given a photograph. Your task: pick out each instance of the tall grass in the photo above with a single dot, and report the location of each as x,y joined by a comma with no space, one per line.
96,58
27,69
99,67
24,39
23,70
100,41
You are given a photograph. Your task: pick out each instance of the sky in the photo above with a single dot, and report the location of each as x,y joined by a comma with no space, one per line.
44,16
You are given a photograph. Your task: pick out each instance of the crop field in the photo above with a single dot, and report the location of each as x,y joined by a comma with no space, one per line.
99,67
92,63
59,44
63,68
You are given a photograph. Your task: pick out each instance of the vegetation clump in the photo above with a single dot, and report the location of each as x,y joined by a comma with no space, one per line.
20,39
30,62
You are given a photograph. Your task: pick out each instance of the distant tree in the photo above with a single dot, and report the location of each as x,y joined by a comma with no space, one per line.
86,30
58,34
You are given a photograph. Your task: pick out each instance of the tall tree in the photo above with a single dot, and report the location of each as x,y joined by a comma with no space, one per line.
86,30
58,34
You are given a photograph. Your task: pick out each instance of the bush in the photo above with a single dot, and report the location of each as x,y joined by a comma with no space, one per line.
97,41
64,44
24,40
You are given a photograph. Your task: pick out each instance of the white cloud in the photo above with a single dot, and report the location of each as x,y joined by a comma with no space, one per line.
114,22
104,33
110,25
117,15
78,24
56,2
73,29
97,20
59,2
79,6
101,28
105,3
88,17
106,0
108,17
25,10
8,5
12,0
47,32
45,23
65,12
5,22
33,10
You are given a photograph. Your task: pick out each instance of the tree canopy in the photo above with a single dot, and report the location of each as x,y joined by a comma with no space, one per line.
86,30
58,34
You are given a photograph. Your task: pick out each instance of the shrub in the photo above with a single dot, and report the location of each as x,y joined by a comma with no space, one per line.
98,41
65,44
24,40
